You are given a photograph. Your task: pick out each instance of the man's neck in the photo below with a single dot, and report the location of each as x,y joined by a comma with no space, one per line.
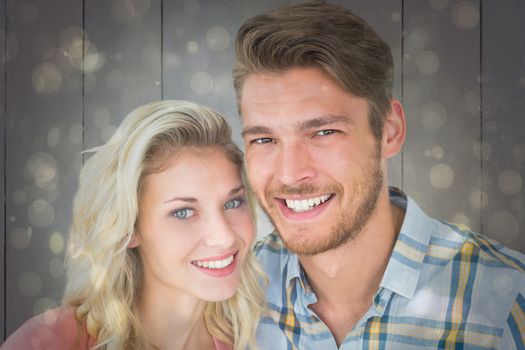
345,279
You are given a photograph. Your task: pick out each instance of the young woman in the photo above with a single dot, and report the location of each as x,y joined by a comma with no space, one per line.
159,255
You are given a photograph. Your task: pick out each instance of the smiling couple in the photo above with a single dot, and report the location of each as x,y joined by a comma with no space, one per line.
160,252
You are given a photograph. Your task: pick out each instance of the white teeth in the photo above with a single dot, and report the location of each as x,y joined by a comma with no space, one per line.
215,264
306,204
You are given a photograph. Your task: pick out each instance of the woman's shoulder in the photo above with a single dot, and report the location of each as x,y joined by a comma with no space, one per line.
54,329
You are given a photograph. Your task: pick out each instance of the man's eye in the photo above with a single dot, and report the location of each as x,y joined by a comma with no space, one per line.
183,213
263,140
325,132
234,203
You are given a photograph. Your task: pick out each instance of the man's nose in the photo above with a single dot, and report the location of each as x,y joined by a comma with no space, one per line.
293,164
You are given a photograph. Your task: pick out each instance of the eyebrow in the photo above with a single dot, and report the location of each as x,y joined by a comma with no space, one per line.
328,119
256,130
194,200
323,121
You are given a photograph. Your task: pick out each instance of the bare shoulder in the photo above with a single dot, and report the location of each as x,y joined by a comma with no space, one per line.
54,329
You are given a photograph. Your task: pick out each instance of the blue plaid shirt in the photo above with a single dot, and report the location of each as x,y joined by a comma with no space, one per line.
443,288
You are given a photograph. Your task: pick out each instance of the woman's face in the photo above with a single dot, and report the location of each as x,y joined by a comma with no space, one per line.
194,226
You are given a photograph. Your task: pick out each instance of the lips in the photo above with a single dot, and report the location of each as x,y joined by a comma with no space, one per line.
220,266
299,208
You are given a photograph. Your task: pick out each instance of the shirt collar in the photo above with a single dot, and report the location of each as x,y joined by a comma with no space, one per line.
293,268
404,267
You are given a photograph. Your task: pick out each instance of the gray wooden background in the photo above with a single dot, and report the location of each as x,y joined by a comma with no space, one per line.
72,69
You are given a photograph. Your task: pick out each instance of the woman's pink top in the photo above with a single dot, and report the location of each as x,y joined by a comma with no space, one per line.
58,329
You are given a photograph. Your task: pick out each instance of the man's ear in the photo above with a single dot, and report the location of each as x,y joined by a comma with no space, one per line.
135,240
394,130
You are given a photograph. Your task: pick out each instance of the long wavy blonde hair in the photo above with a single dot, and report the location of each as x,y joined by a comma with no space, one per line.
104,275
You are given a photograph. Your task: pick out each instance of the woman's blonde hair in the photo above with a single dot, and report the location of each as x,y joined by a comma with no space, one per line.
103,274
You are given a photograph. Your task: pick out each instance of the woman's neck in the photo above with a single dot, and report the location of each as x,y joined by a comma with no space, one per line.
174,320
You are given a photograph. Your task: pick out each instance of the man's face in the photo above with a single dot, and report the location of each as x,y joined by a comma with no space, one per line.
312,159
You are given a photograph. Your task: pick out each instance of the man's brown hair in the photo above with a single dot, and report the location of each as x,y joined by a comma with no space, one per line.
320,35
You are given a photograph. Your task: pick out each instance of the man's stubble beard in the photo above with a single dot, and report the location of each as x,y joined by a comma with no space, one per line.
348,225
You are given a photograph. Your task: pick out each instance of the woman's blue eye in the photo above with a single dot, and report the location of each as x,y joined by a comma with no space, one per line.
234,203
183,213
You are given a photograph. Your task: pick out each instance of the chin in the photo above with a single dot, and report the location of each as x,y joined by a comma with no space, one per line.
219,294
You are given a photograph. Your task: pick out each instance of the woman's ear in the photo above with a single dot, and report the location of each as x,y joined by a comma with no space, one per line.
394,130
135,240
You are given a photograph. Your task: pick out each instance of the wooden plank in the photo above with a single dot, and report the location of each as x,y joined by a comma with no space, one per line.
44,121
125,72
503,133
199,39
441,92
2,166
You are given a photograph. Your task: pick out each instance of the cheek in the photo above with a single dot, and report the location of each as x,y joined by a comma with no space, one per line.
243,226
168,246
259,168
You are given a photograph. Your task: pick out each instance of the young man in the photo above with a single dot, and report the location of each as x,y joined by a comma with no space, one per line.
354,264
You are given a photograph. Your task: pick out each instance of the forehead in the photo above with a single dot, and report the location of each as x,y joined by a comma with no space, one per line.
298,93
195,168
277,87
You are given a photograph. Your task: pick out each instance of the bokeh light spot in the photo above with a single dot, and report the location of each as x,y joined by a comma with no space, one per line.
53,137
509,182
479,200
218,39
462,221
395,17
29,284
427,62
433,116
437,152
46,79
20,238
56,243
19,196
441,176
42,168
40,213
465,15
192,47
201,83
482,150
